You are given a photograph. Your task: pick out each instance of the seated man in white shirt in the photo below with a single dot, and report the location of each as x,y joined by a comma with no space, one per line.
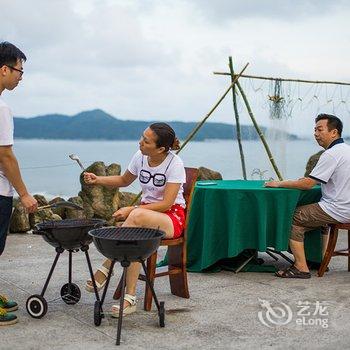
332,172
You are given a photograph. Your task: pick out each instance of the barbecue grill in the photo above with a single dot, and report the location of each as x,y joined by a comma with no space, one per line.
126,245
71,235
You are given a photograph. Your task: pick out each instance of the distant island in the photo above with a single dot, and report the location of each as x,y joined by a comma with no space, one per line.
98,125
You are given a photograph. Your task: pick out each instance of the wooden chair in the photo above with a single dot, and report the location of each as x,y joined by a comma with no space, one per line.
177,255
330,251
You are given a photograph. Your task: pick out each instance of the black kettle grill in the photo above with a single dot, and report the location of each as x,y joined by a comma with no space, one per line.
126,245
71,235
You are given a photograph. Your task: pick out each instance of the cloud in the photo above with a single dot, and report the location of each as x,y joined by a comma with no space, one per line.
154,59
286,10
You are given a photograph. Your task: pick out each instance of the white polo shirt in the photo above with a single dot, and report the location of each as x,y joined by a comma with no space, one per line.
6,139
333,172
173,169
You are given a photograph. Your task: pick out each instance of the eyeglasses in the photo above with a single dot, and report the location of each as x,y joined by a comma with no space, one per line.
145,177
17,70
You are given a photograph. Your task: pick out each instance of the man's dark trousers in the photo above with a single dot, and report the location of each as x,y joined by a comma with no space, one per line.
5,216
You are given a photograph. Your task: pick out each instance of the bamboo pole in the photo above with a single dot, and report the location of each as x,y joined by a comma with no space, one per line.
238,127
261,135
200,124
285,79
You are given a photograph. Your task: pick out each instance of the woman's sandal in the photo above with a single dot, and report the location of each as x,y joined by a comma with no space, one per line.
128,309
293,272
90,287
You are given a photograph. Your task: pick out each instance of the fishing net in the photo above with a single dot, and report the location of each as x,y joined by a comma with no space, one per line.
285,111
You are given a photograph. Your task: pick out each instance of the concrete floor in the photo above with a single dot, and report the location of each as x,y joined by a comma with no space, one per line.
222,313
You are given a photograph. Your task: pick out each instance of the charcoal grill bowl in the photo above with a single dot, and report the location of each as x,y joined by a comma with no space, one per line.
68,234
126,243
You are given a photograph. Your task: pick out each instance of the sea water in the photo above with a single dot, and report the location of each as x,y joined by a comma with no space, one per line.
47,169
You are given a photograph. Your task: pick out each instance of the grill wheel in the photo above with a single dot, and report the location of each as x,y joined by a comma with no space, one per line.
161,314
36,306
70,293
97,313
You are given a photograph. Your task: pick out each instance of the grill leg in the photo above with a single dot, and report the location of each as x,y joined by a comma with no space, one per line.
58,251
121,302
85,250
107,282
349,250
150,285
70,267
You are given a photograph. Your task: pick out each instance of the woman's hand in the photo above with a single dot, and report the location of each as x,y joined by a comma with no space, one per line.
90,178
122,213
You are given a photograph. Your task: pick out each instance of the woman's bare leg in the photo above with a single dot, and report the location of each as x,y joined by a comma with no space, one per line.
99,276
148,219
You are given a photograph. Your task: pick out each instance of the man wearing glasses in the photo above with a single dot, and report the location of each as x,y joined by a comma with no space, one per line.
11,71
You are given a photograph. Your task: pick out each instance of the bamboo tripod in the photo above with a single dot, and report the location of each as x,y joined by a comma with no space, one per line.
236,87
232,87
235,83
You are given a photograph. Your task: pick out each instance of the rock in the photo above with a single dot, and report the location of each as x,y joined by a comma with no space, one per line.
126,198
41,216
74,213
19,219
208,174
56,217
112,222
61,211
100,202
311,163
41,200
15,201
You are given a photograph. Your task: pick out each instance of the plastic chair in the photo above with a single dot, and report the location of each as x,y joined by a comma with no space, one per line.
177,255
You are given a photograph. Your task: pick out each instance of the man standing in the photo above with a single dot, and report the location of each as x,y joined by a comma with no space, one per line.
11,71
332,171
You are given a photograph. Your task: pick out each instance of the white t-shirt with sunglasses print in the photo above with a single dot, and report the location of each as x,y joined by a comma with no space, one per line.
154,179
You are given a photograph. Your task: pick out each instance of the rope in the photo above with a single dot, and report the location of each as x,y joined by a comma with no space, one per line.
54,166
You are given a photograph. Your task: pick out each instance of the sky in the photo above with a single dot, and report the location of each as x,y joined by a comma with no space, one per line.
154,59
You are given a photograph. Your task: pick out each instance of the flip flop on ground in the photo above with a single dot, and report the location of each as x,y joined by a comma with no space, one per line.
293,272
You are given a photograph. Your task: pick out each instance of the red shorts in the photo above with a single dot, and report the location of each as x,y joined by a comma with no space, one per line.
178,216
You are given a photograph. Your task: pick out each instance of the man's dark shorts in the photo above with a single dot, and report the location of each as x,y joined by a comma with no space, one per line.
307,218
5,216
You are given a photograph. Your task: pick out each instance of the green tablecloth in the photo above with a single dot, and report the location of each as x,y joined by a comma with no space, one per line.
234,215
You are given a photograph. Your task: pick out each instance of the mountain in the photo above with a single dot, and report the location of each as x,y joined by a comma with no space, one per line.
98,125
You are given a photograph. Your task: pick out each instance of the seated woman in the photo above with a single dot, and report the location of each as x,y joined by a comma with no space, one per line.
161,174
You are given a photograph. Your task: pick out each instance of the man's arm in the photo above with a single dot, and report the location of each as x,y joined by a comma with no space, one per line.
10,167
304,183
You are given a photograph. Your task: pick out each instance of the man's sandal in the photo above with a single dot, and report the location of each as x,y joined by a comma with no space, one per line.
128,309
8,305
89,285
293,272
